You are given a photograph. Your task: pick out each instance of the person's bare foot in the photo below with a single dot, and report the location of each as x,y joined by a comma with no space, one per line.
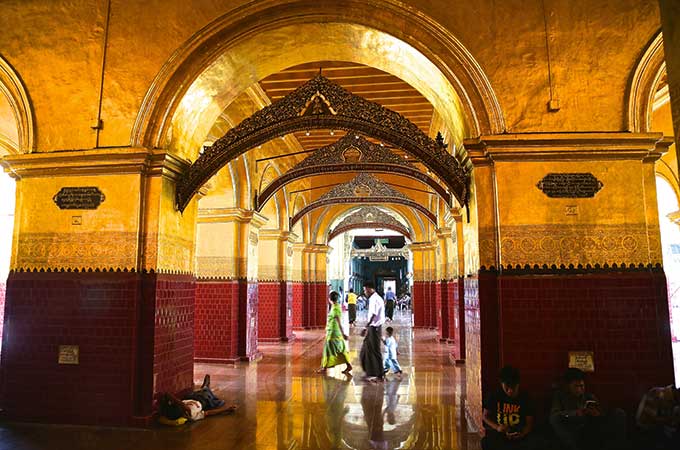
206,381
347,370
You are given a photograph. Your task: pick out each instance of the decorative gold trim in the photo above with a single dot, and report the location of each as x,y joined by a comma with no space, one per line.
105,161
567,146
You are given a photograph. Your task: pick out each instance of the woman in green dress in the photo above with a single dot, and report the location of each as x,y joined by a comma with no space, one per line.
335,348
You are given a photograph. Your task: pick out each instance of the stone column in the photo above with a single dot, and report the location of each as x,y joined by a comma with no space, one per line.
275,290
444,301
227,286
422,298
100,298
670,19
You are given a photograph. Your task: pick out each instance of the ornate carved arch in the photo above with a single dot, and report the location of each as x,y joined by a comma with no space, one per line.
352,153
369,217
322,104
364,189
481,106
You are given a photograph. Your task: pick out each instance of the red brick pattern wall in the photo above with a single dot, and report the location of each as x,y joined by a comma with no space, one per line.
434,312
216,321
173,351
621,317
446,303
437,302
298,302
321,304
532,321
418,304
99,313
269,311
275,311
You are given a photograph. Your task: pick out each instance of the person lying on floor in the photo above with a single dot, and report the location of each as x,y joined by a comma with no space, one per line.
195,406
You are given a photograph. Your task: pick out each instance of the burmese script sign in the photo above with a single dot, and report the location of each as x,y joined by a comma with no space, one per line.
69,354
87,197
570,185
582,360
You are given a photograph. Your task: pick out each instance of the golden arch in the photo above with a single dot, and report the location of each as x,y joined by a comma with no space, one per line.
13,89
417,34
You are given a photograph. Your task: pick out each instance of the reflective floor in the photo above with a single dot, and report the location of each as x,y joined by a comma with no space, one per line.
284,404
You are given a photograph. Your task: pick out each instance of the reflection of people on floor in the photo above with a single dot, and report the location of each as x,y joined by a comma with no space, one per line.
335,347
579,421
508,416
371,355
391,353
371,403
391,393
352,306
335,393
195,406
390,299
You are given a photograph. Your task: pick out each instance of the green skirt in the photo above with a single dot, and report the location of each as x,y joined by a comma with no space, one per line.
334,352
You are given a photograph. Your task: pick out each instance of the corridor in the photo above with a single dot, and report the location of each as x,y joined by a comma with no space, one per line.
284,404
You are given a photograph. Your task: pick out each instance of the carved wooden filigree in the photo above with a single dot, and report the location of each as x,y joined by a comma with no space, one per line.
369,217
321,104
352,153
363,189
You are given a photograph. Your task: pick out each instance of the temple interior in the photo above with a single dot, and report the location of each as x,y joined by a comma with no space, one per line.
183,184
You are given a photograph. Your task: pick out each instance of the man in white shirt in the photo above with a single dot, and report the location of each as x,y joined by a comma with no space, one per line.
371,354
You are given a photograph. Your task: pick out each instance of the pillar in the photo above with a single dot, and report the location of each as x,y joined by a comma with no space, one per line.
226,328
275,289
100,297
424,288
568,261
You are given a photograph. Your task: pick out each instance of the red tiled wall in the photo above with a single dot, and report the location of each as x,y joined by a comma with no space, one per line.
621,317
439,287
216,321
432,323
298,301
131,330
418,304
446,303
321,304
173,350
275,311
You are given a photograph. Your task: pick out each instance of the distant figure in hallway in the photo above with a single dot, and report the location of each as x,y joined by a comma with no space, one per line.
391,353
579,420
508,416
371,356
335,348
352,306
658,415
390,300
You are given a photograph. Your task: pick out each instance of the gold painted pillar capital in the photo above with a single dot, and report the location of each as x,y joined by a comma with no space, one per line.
275,255
227,243
424,254
106,209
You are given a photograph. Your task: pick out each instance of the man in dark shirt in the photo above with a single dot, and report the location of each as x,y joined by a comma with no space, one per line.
509,416
579,421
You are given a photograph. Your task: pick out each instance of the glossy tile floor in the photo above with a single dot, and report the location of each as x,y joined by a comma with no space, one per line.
284,404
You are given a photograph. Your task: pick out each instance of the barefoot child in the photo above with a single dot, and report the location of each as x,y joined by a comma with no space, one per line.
391,353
